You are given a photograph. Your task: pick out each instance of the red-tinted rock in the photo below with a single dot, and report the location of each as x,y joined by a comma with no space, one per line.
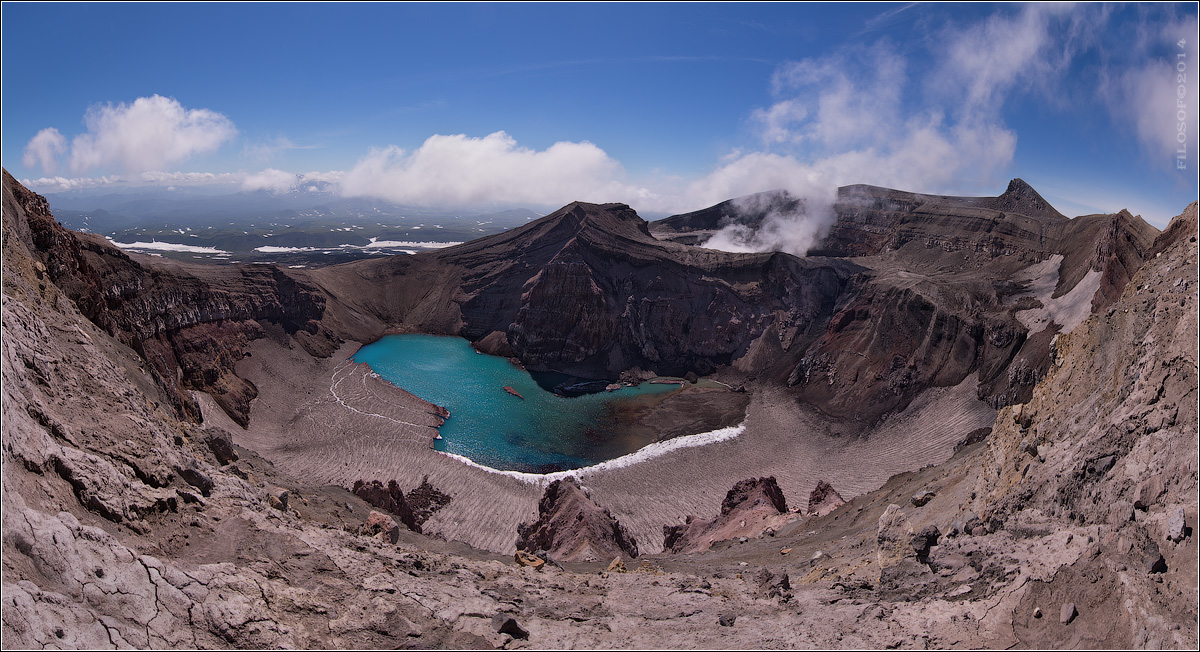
570,527
750,508
381,526
824,499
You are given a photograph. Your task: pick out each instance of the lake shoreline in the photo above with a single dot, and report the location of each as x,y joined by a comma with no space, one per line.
505,419
379,432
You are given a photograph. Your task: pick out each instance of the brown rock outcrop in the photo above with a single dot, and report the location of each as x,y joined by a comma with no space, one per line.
388,498
381,526
570,527
751,507
823,499
425,500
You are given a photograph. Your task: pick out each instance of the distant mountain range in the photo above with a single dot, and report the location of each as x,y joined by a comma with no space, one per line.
301,227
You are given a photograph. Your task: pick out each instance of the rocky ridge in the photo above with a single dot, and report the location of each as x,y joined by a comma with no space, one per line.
588,291
190,326
125,526
940,299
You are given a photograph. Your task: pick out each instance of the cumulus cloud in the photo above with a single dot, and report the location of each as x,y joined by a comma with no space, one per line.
843,119
44,149
459,170
59,183
147,134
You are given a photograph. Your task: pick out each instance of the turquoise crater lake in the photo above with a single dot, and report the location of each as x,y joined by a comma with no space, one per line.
540,433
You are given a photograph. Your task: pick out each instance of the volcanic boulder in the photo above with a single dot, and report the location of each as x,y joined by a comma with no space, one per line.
900,550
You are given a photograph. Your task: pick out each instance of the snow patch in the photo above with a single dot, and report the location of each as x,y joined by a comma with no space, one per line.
1069,310
168,246
648,452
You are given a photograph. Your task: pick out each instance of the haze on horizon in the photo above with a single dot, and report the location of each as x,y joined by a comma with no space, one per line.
669,108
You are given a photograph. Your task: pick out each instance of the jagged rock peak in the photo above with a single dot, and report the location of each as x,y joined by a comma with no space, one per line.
753,492
746,210
1018,188
604,216
824,499
752,507
571,527
1020,197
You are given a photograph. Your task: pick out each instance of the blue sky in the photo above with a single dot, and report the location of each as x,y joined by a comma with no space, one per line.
668,107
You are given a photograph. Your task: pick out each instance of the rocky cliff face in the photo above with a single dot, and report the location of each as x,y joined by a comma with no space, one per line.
928,301
1108,440
1120,400
588,291
189,329
940,301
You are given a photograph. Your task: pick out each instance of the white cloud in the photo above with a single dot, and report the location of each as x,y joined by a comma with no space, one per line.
187,178
48,184
459,170
777,119
148,134
331,176
279,181
835,102
276,181
44,149
842,120
989,59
